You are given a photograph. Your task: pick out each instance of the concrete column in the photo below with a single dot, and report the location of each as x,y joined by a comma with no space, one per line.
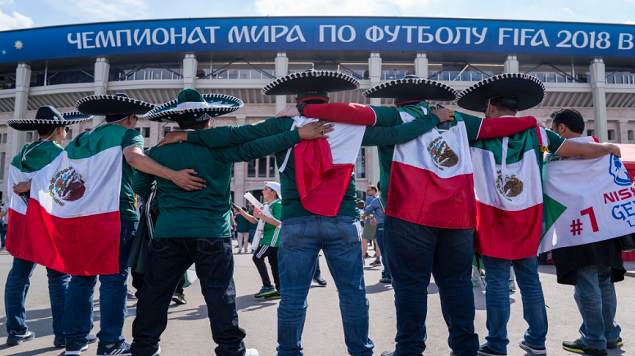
102,71
421,65
22,83
511,65
282,69
372,165
374,73
622,134
598,89
190,66
240,173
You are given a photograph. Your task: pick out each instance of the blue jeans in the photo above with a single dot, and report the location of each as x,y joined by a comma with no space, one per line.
302,239
497,300
415,252
78,313
15,296
597,302
379,238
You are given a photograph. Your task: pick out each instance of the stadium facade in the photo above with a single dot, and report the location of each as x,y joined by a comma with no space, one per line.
590,67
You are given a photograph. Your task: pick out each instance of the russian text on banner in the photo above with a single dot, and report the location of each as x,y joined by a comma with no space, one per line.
73,214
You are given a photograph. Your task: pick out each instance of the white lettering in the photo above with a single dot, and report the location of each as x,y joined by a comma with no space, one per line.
274,33
374,33
428,36
128,37
233,32
155,37
481,36
104,39
409,32
79,40
333,32
85,39
212,33
340,33
502,35
438,35
543,39
196,31
524,35
264,30
298,32
146,34
458,35
173,35
394,34
626,39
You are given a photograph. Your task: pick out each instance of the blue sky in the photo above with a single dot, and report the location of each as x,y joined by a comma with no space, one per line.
15,14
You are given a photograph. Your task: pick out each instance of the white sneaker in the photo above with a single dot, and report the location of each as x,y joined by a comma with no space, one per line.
158,352
512,286
251,352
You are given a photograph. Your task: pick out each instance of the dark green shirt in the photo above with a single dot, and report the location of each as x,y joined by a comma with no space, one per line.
373,136
206,212
242,224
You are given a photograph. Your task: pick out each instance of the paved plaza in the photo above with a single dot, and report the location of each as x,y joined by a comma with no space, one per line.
188,331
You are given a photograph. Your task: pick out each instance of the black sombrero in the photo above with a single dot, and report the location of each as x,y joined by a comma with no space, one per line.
191,107
311,81
527,89
118,104
47,117
412,87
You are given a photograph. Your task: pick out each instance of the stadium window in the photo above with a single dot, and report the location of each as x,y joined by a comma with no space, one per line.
590,132
138,129
631,135
146,132
166,130
360,166
4,138
69,134
3,156
262,167
611,135
272,166
251,169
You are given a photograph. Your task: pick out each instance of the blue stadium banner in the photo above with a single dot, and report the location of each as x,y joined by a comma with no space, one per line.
318,34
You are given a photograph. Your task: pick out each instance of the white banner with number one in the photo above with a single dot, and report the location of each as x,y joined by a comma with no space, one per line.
586,201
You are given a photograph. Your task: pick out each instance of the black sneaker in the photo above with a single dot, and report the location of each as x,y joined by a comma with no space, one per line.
376,262
14,339
387,353
578,347
385,280
485,350
179,298
121,349
320,281
533,349
61,343
614,345
75,349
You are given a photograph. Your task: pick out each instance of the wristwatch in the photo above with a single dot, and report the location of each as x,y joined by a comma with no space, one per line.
300,106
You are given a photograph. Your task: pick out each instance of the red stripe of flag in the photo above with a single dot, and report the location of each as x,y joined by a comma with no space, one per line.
15,227
421,197
81,246
507,234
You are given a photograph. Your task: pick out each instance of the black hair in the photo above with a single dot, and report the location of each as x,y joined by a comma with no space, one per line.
193,126
373,187
116,117
47,131
505,102
315,101
571,118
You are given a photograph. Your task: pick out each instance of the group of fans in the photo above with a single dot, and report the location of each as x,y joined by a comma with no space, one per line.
424,215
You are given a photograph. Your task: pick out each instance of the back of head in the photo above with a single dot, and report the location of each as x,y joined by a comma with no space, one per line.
201,125
360,204
571,118
507,105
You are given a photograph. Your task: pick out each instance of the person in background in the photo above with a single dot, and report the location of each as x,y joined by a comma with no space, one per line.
270,240
317,276
242,230
369,231
252,229
3,225
375,211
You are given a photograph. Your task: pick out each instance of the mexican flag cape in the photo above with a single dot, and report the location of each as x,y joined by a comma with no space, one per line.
431,178
25,165
579,211
508,189
324,167
73,213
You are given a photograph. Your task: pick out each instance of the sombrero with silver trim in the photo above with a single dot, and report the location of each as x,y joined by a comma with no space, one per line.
47,117
311,81
411,87
117,104
527,89
192,106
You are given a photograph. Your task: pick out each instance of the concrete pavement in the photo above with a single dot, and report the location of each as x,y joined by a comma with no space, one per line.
188,330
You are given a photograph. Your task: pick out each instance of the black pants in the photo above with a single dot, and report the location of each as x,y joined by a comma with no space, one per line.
168,261
137,283
271,253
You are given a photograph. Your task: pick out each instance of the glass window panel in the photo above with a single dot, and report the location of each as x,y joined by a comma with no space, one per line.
631,135
611,135
360,166
262,167
251,169
146,132
272,166
590,132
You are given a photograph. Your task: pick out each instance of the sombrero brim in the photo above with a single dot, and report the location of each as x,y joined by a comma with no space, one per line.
312,81
413,89
219,104
112,104
527,89
70,118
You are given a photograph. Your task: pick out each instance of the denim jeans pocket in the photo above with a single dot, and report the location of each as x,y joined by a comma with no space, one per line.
209,246
349,229
159,245
292,235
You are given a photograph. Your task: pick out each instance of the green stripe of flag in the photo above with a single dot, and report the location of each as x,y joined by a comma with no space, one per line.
89,143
